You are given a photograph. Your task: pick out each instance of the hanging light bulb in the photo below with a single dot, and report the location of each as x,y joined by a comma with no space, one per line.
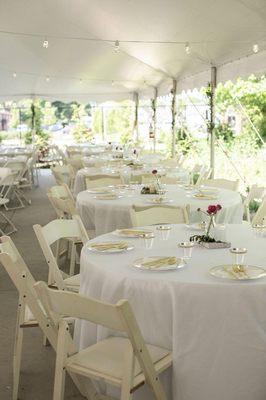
14,74
113,83
47,79
255,48
45,44
187,48
80,81
117,46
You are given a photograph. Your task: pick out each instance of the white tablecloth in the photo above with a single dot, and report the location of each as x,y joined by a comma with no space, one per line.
107,215
215,329
127,173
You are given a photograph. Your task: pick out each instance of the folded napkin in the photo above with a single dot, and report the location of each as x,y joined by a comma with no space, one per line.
158,262
107,197
109,246
204,196
237,271
134,232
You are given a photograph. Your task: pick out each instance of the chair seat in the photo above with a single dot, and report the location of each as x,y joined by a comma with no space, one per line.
73,282
107,359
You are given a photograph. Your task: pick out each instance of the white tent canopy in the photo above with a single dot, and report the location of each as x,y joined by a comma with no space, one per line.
80,62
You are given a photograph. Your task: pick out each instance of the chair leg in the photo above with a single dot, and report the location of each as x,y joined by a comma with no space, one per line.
9,222
18,350
72,259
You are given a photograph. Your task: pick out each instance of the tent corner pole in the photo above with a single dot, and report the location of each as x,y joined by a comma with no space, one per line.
212,119
173,110
136,118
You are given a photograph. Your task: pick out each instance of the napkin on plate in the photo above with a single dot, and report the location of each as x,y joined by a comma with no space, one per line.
109,246
158,262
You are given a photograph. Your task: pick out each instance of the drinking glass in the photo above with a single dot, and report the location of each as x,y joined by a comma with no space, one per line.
187,249
164,231
147,240
239,254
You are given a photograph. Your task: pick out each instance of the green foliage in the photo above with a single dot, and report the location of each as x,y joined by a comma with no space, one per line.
81,133
225,132
251,94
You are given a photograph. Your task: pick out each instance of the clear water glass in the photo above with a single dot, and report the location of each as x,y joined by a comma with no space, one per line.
147,240
187,249
238,254
164,231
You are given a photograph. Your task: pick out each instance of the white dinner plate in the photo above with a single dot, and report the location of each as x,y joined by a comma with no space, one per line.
94,249
229,272
130,232
140,263
203,196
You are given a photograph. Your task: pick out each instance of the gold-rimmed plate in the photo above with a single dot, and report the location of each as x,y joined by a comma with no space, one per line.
159,263
238,272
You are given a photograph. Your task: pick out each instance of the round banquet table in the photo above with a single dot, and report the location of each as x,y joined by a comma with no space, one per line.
104,216
215,328
126,173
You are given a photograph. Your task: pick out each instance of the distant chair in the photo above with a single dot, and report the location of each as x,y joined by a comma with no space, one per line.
256,193
158,214
63,203
64,174
75,162
53,232
102,180
123,360
260,216
222,183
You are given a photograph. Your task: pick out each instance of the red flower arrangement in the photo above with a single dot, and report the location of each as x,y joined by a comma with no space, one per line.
211,211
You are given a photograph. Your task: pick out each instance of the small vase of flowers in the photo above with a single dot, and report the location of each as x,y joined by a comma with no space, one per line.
157,180
207,240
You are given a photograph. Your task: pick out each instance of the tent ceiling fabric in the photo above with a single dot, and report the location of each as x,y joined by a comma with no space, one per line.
220,33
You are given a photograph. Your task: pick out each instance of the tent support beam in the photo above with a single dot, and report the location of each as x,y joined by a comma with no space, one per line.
136,117
212,119
154,117
173,109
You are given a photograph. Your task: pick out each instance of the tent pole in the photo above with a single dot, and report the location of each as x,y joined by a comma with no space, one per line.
173,109
136,117
212,119
154,117
103,124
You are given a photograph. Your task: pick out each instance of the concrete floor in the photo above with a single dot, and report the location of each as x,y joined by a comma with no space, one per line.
37,372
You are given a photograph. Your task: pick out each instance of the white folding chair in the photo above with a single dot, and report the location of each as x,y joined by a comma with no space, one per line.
62,201
158,214
8,190
50,234
64,174
260,216
125,362
76,162
102,180
30,312
256,193
221,183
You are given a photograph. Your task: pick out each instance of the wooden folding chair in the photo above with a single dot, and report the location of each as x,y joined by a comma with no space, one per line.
102,180
221,183
125,362
158,214
30,311
50,234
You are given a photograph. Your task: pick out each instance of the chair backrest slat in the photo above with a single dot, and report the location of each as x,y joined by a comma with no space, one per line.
158,214
78,306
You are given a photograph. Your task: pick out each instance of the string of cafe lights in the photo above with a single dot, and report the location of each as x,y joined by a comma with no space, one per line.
81,81
116,43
